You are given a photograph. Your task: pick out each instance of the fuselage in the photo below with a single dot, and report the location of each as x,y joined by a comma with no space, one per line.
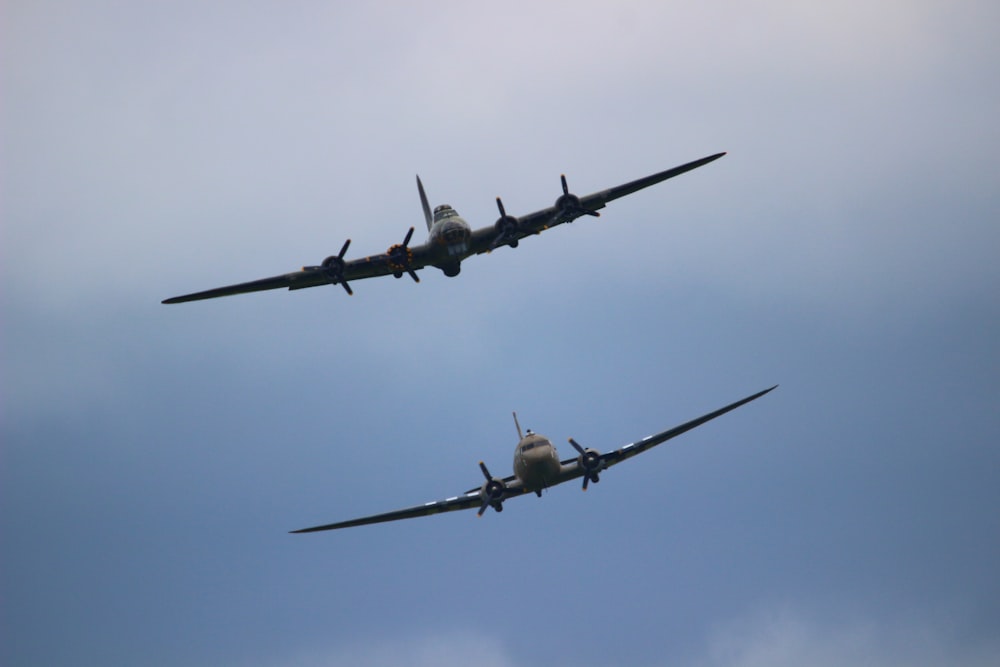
536,462
451,235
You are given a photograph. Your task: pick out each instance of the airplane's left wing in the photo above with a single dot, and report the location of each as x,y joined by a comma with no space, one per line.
509,229
511,488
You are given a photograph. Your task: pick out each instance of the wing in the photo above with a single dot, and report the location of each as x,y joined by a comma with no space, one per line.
569,207
572,469
408,261
468,500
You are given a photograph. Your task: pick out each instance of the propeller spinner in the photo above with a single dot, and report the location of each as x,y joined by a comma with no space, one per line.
491,492
400,257
507,228
569,204
590,461
333,266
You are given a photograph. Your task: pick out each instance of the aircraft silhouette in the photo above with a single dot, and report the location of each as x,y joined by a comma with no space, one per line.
536,467
450,240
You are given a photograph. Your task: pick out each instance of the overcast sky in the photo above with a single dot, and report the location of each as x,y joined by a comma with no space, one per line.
154,457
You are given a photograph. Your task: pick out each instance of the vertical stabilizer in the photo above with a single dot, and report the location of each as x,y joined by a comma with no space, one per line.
520,436
423,202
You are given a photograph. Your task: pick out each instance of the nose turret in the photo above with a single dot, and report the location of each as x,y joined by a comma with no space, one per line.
443,212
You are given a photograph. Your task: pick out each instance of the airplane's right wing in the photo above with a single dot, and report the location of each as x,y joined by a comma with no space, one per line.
399,259
309,276
509,487
463,502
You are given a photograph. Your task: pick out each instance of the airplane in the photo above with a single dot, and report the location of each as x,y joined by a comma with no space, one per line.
536,467
450,240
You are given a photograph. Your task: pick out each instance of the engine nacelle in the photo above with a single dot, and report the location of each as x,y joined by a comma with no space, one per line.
492,492
507,228
567,203
589,462
334,265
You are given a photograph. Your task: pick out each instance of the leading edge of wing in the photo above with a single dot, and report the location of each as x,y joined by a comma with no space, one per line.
274,282
538,221
603,197
465,501
630,450
462,502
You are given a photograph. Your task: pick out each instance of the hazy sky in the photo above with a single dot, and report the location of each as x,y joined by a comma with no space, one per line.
154,457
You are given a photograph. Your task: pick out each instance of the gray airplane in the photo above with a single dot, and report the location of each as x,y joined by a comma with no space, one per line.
536,467
450,240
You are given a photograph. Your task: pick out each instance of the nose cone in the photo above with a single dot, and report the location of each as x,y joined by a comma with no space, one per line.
455,230
536,462
454,234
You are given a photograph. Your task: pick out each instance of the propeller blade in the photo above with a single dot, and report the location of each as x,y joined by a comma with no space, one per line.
562,177
576,446
503,213
486,472
586,480
424,204
347,288
409,235
343,250
482,508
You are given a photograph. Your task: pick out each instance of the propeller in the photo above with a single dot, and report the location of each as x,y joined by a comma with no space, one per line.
491,492
590,461
400,256
334,265
507,227
569,204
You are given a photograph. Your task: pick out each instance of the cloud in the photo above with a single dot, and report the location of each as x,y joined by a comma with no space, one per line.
785,636
442,650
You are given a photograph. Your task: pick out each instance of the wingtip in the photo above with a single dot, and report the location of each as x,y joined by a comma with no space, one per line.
765,391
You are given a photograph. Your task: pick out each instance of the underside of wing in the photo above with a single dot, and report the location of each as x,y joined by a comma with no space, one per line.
304,278
508,229
463,502
590,463
630,450
508,488
599,199
334,271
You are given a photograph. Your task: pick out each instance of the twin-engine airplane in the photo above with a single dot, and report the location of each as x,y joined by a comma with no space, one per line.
450,240
536,467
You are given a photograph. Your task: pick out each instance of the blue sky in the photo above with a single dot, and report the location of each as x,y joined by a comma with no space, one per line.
154,457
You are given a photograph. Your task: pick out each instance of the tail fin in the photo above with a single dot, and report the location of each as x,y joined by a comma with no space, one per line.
423,202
